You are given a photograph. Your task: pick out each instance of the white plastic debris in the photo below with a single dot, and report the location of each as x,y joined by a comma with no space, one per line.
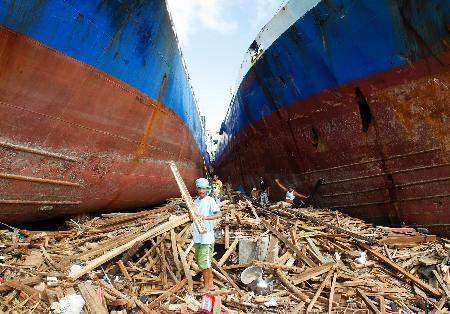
271,303
52,281
337,256
70,304
362,259
74,268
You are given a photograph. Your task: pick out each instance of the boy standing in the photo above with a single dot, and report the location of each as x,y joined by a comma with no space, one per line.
209,211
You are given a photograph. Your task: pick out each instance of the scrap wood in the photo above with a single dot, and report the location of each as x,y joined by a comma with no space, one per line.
311,273
144,307
151,263
175,254
264,265
186,270
28,281
407,240
399,230
93,303
19,286
440,304
333,284
228,252
49,259
180,220
319,290
199,223
290,286
291,245
367,301
402,271
441,283
167,294
123,270
229,279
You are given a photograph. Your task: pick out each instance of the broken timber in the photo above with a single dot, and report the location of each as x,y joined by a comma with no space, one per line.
187,198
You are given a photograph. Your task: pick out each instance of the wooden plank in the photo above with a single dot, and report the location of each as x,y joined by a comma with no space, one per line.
408,240
265,265
230,250
330,300
398,230
89,294
229,279
19,286
388,253
315,250
319,290
175,254
402,271
34,259
123,270
144,308
311,272
367,301
29,281
187,198
227,231
291,287
186,269
294,248
180,220
272,250
167,294
382,305
441,283
439,305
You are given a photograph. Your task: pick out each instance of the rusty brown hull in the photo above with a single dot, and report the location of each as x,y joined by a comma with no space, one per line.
392,169
74,139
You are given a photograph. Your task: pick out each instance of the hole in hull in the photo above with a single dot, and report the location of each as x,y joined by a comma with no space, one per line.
364,109
315,138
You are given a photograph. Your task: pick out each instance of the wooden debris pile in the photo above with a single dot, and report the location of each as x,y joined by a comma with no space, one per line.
144,263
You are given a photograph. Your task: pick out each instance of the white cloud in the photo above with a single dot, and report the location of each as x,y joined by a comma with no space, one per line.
189,15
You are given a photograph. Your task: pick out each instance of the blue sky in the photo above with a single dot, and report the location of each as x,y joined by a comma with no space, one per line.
214,36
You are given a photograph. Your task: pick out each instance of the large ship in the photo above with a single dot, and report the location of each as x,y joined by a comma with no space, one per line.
353,92
94,100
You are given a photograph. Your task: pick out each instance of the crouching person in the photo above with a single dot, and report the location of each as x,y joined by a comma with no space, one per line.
209,211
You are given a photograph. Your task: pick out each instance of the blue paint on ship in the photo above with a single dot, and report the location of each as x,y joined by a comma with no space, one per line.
132,40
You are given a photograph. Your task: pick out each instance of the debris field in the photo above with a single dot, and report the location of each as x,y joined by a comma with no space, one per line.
319,261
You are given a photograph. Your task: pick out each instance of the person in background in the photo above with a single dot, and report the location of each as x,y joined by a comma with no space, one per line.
217,188
265,189
209,211
290,193
254,195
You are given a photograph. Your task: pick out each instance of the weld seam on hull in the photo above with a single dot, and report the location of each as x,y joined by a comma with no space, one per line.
393,201
39,202
84,127
37,152
385,174
387,188
97,72
373,160
35,179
